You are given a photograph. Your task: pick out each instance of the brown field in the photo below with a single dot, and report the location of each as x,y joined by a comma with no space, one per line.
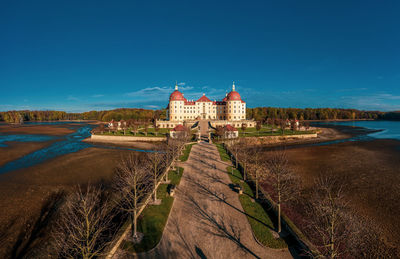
23,192
28,195
371,170
55,130
15,150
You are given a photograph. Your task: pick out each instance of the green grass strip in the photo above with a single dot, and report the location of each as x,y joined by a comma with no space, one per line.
258,218
224,156
154,217
186,152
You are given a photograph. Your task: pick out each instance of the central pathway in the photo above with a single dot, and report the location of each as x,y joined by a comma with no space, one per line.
207,220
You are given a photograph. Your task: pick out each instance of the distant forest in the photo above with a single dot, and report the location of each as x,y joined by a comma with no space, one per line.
258,114
117,114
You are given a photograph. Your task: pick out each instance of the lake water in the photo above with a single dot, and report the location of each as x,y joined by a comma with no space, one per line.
387,129
61,146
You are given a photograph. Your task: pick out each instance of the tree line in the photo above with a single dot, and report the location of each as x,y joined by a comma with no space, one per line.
263,113
258,114
108,115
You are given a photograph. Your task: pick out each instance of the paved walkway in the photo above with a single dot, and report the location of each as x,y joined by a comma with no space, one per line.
207,219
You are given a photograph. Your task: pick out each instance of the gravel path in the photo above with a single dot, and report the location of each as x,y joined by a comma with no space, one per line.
207,219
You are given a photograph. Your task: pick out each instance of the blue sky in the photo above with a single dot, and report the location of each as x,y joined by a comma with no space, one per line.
93,55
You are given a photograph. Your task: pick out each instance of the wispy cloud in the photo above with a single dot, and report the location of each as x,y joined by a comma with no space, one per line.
150,91
97,95
352,89
152,106
72,98
377,101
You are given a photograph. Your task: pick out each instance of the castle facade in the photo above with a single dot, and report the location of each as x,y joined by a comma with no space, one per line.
230,110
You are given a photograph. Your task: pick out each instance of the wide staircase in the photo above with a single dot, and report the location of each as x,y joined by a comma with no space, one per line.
203,124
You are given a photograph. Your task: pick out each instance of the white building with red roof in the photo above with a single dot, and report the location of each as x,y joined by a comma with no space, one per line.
230,109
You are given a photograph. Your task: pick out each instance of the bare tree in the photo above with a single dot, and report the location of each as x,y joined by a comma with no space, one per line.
81,229
256,167
327,213
282,179
156,162
282,125
244,127
258,127
101,128
156,129
245,159
366,239
235,149
135,127
124,126
146,127
132,183
219,132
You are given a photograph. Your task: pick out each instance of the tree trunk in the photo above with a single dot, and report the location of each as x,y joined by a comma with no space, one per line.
256,189
279,218
332,240
236,161
133,222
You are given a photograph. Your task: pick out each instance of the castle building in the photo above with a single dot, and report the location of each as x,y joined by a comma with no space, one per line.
230,110
232,107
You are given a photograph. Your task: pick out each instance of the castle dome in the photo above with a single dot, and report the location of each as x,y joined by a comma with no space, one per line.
176,95
233,95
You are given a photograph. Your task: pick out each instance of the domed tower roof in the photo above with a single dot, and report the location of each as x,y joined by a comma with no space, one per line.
233,95
176,95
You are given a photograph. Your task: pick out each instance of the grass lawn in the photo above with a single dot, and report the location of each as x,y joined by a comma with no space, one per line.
186,152
257,216
224,156
154,217
264,131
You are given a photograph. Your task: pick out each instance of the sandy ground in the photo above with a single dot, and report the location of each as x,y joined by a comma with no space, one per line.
132,144
207,219
23,193
27,196
55,130
371,170
17,149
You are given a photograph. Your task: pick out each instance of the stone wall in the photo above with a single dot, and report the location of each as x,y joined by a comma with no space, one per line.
125,138
236,124
277,139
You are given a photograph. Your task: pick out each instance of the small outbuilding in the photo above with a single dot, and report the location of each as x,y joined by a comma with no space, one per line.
230,132
179,130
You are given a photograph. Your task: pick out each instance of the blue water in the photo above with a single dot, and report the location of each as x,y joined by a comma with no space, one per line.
387,129
23,138
66,144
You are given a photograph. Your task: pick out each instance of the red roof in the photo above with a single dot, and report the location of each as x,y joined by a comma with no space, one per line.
203,99
233,96
190,102
230,128
179,127
176,96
